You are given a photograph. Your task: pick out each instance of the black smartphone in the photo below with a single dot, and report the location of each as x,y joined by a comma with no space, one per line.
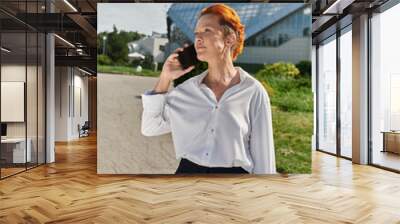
188,56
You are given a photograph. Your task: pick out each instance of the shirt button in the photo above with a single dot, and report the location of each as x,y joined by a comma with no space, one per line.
207,154
212,130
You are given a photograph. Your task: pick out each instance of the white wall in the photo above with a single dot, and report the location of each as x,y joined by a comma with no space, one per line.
15,72
62,81
314,90
34,125
80,83
67,115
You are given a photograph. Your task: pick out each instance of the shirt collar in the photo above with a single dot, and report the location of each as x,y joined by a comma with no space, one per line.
204,74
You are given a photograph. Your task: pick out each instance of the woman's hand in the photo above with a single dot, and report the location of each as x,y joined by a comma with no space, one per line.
172,68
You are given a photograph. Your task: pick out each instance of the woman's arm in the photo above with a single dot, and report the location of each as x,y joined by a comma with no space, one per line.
163,84
261,137
171,70
155,119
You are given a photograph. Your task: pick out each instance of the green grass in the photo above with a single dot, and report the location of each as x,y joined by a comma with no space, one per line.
292,138
126,70
292,117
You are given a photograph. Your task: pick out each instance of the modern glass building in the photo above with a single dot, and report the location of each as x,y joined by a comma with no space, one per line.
356,80
273,31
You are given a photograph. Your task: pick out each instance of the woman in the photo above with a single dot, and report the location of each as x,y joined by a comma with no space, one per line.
220,120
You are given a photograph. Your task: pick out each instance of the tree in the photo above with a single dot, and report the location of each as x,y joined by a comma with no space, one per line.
117,49
117,44
100,42
148,61
103,60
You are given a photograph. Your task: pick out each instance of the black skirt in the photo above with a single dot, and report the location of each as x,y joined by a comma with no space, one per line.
188,167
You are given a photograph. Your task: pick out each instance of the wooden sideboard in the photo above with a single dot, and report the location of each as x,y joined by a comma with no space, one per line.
391,141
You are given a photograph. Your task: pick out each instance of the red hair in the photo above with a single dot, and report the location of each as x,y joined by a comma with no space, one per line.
230,18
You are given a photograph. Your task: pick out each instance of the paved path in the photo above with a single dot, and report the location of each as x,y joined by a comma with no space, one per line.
122,148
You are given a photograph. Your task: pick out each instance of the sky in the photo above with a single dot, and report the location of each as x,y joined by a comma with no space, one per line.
141,17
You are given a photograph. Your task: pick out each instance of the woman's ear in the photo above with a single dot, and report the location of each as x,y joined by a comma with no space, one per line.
230,40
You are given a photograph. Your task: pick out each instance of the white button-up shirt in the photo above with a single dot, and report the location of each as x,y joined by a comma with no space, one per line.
236,131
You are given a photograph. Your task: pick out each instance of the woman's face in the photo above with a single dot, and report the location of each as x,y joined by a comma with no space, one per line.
209,38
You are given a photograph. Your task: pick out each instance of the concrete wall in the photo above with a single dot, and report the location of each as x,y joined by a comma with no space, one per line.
121,148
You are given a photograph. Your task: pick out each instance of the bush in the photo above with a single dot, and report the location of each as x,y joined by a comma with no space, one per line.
103,60
289,92
283,84
293,101
278,69
304,68
267,87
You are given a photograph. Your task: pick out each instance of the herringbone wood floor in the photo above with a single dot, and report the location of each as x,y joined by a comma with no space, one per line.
70,191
